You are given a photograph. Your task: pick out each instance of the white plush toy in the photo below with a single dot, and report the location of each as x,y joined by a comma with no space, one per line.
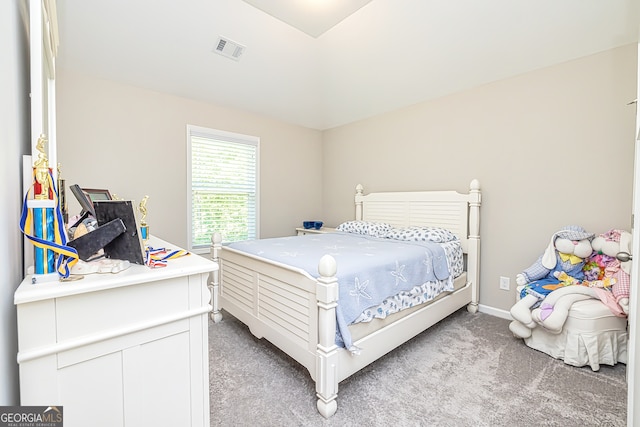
565,253
610,283
554,310
605,278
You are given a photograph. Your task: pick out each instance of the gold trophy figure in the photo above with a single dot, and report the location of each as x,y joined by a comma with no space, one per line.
41,167
144,227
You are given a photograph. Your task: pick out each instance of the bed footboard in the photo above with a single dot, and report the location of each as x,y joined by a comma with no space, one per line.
286,306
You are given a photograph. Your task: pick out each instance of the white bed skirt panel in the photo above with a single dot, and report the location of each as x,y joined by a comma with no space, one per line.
592,335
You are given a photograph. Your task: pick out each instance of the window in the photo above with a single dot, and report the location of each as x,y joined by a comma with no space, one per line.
222,186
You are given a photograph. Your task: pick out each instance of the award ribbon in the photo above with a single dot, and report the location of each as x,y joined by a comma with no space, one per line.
67,256
159,257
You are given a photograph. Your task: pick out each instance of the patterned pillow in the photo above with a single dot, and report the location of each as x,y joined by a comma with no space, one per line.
421,234
379,229
375,229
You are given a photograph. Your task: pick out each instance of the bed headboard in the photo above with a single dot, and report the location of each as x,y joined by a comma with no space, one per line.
458,212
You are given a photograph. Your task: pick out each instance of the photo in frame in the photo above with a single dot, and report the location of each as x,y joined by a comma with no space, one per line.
95,194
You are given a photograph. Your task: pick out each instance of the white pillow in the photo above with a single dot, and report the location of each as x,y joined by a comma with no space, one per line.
375,229
422,234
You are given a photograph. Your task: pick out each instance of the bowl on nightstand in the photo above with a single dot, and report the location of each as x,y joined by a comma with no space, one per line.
312,224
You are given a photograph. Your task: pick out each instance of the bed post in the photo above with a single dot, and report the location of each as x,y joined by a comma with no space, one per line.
327,350
359,192
216,245
473,260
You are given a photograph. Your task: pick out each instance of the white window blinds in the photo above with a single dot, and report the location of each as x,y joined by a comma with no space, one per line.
223,186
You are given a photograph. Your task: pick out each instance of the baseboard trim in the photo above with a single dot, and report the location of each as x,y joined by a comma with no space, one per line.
498,312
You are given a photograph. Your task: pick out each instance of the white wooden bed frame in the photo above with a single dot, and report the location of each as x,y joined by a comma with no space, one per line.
296,312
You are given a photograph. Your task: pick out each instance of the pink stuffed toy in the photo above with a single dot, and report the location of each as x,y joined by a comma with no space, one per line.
605,248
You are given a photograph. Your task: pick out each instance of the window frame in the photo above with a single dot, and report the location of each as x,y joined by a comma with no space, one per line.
226,136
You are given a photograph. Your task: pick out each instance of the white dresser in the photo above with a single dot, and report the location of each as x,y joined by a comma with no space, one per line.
125,349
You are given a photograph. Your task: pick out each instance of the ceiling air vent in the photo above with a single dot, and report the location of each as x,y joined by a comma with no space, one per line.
229,48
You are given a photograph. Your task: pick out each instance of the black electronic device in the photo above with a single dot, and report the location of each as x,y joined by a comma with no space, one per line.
85,203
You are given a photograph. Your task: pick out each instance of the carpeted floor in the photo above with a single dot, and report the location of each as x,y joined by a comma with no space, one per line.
467,370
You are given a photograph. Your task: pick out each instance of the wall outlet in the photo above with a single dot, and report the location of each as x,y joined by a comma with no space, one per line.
505,283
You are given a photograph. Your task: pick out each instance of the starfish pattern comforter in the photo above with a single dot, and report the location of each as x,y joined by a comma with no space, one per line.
371,270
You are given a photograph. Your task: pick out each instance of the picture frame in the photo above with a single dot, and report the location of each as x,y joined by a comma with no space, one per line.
96,194
86,197
128,245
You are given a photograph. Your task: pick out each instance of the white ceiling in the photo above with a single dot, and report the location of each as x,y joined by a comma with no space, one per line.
313,17
386,55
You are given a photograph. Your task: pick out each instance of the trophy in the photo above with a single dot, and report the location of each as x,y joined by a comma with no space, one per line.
41,222
144,227
42,206
62,197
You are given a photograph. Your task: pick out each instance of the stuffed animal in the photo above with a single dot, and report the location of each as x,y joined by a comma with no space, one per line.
606,246
566,252
565,279
605,279
554,310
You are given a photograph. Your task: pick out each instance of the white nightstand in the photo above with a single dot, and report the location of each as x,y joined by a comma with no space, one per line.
301,231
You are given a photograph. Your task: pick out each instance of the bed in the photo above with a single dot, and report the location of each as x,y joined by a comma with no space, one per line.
298,311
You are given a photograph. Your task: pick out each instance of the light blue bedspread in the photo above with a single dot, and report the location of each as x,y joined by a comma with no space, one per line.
370,269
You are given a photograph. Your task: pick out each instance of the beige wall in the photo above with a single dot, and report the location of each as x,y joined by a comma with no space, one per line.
550,148
133,142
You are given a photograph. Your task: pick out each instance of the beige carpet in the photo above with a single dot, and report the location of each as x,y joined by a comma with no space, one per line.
468,370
